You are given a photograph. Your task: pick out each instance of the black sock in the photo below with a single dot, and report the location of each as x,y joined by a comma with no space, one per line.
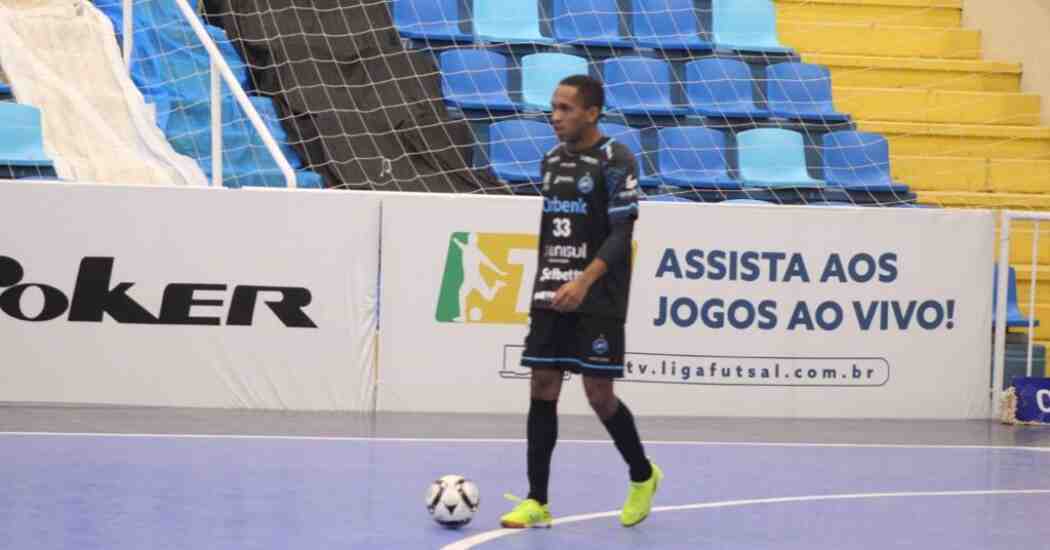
542,434
625,436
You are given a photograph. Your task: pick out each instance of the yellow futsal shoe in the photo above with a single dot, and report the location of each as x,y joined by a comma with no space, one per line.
528,513
640,498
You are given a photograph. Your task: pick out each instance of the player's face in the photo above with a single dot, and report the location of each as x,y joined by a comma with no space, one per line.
568,115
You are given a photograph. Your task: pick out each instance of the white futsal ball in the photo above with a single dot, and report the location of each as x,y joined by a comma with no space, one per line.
453,500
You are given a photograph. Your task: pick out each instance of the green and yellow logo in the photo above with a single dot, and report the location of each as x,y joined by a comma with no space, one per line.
488,278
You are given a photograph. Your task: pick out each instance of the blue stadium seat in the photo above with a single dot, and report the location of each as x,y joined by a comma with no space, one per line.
746,201
666,197
1014,317
668,25
721,88
541,72
832,204
589,23
632,138
773,158
21,137
639,86
429,20
694,157
801,91
859,161
516,149
746,25
270,175
473,79
513,21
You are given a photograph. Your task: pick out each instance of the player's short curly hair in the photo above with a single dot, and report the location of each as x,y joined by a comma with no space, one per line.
591,92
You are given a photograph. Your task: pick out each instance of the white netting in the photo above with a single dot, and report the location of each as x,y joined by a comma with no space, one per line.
1023,353
852,102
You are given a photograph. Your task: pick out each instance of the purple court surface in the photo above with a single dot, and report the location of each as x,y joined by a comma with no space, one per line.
288,482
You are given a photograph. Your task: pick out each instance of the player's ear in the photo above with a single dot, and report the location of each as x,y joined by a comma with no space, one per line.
593,113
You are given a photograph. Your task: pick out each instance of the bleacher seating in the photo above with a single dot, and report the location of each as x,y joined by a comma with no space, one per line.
721,88
668,25
694,157
21,137
430,20
639,86
516,148
859,161
746,25
172,70
772,158
475,79
801,91
501,21
747,201
541,72
1014,317
668,82
589,23
642,91
632,138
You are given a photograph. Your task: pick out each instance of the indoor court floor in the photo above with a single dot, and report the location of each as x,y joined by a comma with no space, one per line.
130,478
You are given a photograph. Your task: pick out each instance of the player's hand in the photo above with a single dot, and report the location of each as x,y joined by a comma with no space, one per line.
569,296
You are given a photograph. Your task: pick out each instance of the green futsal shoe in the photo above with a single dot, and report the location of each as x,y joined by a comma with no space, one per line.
528,513
640,498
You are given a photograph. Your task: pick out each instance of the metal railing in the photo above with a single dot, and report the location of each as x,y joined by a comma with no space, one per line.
220,72
1002,293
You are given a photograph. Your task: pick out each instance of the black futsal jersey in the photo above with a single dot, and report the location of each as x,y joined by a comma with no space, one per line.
590,203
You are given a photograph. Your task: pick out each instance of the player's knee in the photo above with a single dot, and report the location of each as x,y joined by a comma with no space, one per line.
546,384
600,396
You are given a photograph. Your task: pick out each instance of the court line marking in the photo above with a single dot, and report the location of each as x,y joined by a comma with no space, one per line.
519,440
487,536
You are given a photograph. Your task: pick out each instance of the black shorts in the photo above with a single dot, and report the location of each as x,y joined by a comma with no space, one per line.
575,342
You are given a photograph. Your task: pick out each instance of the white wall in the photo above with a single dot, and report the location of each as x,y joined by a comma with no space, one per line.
1016,30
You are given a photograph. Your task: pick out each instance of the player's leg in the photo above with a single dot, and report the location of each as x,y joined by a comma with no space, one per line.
620,424
600,348
543,351
542,429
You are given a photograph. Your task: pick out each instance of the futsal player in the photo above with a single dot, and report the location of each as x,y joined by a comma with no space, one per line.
579,305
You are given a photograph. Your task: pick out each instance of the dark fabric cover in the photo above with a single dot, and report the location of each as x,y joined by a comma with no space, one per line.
360,109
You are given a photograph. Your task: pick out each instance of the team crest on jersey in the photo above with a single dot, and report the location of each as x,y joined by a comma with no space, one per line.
585,184
600,345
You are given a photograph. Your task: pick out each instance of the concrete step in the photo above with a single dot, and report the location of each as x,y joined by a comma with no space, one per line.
889,12
860,71
881,40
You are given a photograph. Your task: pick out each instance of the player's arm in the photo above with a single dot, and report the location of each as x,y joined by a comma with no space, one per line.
621,181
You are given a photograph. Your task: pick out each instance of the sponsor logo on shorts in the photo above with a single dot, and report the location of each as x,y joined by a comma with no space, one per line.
600,345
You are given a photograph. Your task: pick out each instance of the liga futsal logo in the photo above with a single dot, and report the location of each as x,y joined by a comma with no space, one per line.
488,278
